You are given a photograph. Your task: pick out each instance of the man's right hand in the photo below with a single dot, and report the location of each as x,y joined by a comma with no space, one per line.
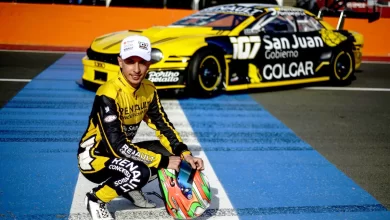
174,163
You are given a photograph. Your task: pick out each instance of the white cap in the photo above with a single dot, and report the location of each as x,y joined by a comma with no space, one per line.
136,45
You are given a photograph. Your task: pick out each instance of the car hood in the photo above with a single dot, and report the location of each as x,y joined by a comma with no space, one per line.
110,43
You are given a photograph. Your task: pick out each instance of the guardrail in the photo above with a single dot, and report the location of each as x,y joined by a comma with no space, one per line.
74,26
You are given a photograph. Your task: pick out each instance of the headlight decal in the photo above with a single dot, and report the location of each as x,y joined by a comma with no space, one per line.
156,55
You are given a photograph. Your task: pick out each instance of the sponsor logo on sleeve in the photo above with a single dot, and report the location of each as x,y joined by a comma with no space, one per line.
110,118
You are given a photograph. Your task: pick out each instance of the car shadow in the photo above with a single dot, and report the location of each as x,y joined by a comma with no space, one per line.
167,94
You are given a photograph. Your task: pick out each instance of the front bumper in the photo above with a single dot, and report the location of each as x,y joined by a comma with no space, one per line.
97,73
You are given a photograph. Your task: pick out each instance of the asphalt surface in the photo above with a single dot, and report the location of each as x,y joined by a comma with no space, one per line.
19,65
351,129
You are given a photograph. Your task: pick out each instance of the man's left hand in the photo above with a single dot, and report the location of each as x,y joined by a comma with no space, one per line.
195,162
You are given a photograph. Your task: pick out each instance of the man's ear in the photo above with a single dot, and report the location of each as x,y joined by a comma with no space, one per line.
120,61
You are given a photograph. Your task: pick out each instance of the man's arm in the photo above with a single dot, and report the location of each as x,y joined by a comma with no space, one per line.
114,136
158,120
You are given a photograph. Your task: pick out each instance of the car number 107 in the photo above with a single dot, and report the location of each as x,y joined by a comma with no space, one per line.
245,47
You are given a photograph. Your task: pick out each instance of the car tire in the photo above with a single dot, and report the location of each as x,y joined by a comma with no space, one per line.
205,73
342,68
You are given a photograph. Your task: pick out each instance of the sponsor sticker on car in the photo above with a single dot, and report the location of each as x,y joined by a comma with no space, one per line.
163,76
100,64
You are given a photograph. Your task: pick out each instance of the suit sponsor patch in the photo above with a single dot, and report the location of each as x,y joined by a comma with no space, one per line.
110,118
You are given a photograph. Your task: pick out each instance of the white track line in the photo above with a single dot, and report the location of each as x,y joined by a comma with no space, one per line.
349,89
14,80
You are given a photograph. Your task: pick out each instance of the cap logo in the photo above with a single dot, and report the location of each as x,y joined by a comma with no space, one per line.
143,45
128,48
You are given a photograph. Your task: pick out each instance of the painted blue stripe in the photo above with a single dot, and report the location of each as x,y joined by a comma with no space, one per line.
278,183
39,133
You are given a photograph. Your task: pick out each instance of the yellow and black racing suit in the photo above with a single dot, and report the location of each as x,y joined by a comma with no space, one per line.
106,153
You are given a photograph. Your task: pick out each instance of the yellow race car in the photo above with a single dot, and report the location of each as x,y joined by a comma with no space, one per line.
235,47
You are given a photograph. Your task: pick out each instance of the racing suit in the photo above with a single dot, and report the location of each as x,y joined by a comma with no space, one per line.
106,154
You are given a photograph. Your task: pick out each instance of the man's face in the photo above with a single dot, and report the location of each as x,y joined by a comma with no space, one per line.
134,69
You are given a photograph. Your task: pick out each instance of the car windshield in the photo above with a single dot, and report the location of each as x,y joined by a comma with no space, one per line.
219,21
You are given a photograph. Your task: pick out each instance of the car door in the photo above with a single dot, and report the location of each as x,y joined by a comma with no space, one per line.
312,48
285,53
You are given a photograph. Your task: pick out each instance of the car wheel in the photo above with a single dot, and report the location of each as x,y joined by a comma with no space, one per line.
205,74
342,68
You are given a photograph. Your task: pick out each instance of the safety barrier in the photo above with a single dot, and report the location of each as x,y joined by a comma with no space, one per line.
73,27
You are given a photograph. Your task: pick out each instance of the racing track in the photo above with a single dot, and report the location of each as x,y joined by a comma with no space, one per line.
298,153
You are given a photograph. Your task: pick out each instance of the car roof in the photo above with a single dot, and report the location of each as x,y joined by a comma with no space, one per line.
256,5
246,5
248,8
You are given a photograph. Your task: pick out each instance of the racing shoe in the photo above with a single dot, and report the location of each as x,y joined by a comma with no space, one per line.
137,197
96,208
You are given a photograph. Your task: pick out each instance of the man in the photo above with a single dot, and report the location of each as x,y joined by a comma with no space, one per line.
106,154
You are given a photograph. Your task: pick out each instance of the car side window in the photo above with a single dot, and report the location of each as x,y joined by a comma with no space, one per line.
307,23
281,24
273,23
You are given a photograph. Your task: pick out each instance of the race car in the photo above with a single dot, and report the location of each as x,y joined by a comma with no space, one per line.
235,47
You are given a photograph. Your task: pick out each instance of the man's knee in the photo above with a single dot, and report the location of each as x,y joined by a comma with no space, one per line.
134,174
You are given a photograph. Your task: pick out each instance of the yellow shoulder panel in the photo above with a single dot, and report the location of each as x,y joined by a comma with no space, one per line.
149,84
108,89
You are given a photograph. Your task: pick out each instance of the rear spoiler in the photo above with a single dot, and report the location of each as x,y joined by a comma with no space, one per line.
342,14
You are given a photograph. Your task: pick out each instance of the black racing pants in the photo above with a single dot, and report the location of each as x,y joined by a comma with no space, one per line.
121,175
